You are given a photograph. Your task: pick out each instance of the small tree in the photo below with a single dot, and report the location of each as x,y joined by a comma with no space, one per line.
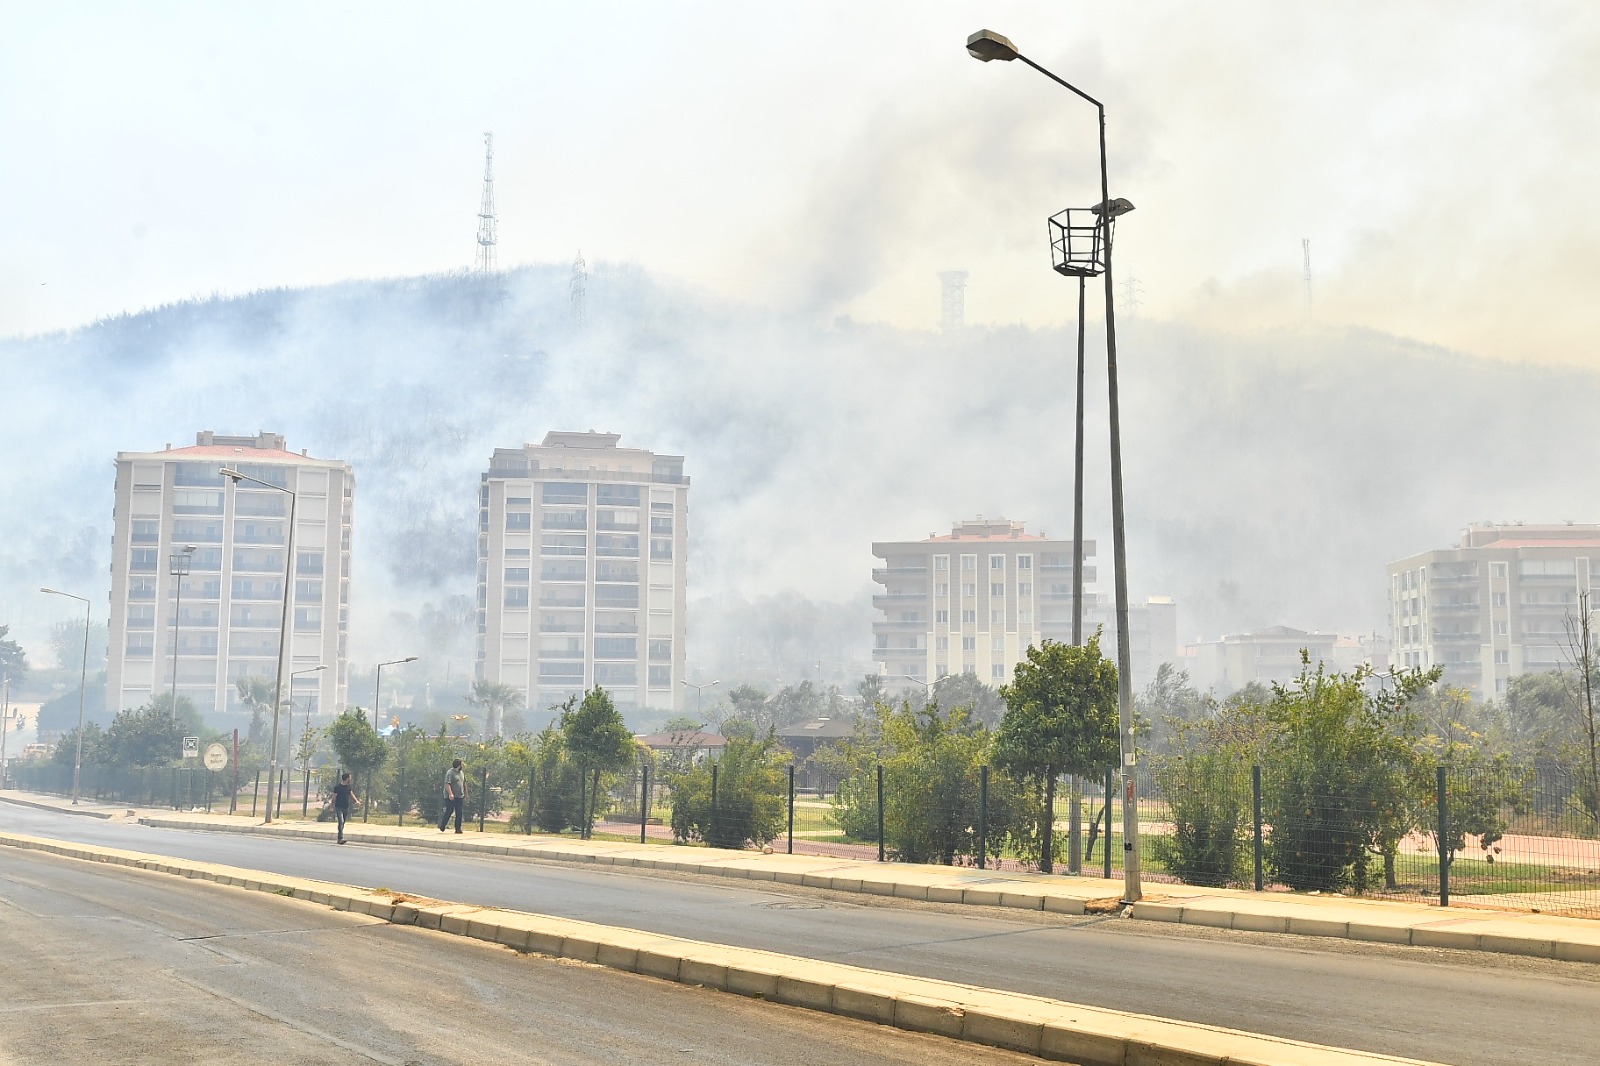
1061,717
359,747
751,795
13,663
495,700
256,693
149,736
597,741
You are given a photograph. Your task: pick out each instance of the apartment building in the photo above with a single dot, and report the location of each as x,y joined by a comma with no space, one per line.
1495,605
198,569
581,571
975,601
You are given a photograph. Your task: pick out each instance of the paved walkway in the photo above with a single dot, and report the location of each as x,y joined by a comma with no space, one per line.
1518,933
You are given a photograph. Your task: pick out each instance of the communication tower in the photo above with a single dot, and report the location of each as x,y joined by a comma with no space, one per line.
579,285
952,299
1132,296
1305,259
486,217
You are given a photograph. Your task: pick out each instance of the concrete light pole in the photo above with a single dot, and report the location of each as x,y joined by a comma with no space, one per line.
283,624
377,686
698,690
986,45
83,686
180,565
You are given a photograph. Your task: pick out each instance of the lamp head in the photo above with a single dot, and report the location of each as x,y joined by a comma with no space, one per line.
409,659
190,549
986,45
52,592
230,472
1113,208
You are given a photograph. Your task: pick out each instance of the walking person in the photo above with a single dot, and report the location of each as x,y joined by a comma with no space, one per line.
344,798
455,794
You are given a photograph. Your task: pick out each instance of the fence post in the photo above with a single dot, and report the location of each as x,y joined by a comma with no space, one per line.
714,802
983,817
367,806
173,783
400,791
583,803
644,798
483,797
1444,841
1105,859
880,813
255,794
1255,791
791,808
210,779
1075,826
233,798
1047,857
533,772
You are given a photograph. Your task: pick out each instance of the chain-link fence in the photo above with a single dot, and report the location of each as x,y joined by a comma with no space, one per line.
1477,834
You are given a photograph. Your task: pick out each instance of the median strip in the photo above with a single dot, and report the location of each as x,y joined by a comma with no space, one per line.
1051,1029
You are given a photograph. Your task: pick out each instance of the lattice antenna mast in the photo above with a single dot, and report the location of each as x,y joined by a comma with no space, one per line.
579,285
1305,259
952,299
1132,296
486,217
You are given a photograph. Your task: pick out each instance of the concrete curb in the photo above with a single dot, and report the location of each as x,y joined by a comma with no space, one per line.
1051,1029
1372,921
86,812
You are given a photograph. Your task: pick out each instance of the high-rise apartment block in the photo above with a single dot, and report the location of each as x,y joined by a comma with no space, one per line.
581,555
1496,605
198,567
975,601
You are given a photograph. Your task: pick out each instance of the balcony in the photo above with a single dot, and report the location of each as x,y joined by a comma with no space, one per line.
919,625
881,574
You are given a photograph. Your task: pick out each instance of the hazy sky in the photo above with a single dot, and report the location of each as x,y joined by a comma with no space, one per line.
1440,156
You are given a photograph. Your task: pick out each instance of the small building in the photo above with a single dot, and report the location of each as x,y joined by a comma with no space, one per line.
692,745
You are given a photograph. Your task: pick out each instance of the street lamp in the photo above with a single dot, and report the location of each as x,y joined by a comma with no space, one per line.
292,676
83,686
698,690
986,45
283,625
5,724
180,565
377,686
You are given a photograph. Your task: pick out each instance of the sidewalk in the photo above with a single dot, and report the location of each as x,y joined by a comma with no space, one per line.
1510,932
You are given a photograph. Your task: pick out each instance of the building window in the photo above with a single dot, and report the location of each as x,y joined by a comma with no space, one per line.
1497,570
997,644
969,643
518,575
941,643
564,544
1499,629
969,590
941,589
1502,657
660,548
997,562
997,618
143,560
519,521
969,618
1025,616
660,676
1499,599
1024,562
941,669
997,590
517,597
969,562
998,671
565,492
941,562
1025,589
941,617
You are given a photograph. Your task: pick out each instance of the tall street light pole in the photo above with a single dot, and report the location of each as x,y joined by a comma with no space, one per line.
5,724
294,674
698,689
986,45
283,623
181,564
377,686
83,686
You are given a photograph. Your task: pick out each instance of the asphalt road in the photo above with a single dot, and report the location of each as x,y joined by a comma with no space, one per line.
109,965
1456,1007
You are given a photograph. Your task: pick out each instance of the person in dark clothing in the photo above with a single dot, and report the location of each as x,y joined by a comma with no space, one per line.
455,795
344,798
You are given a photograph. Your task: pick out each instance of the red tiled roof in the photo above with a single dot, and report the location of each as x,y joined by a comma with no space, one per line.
988,538
230,451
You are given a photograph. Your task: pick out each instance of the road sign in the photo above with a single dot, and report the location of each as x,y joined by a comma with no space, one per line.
191,747
216,756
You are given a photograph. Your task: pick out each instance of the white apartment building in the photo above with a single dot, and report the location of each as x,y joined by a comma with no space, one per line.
975,601
581,571
222,621
1494,606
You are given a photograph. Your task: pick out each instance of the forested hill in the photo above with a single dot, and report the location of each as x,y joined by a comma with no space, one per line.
1269,477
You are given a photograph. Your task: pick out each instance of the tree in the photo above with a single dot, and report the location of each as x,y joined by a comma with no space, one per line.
13,663
984,703
1205,780
66,645
1340,773
1167,703
495,700
595,738
359,747
60,714
256,692
1061,717
751,801
149,736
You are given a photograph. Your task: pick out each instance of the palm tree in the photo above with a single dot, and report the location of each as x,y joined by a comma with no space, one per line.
494,699
256,692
